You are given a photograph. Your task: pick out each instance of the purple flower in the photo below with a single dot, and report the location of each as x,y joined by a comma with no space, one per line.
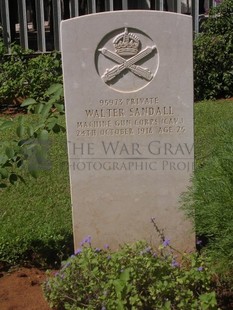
97,250
146,250
48,286
199,242
166,242
66,265
78,251
200,268
175,264
86,240
154,254
62,276
106,246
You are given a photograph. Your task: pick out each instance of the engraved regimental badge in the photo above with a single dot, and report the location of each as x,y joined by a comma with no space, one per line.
135,57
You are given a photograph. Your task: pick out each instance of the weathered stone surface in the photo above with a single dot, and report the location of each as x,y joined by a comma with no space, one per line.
129,111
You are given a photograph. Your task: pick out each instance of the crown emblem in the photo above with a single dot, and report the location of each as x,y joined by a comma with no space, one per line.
126,44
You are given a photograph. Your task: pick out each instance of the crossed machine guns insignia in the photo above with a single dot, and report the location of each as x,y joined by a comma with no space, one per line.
126,45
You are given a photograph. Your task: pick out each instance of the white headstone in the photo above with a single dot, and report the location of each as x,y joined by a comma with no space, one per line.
128,81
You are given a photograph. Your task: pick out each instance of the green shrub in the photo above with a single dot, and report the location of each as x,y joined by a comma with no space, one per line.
41,72
2,46
22,76
11,70
135,277
213,54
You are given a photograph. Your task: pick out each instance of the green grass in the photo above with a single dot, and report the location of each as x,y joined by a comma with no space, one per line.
209,203
212,122
36,221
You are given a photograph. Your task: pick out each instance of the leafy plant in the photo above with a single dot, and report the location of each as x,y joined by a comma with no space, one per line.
134,277
23,76
11,80
41,71
2,46
213,54
29,148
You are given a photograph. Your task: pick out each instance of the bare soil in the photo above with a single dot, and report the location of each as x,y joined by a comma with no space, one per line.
21,290
12,107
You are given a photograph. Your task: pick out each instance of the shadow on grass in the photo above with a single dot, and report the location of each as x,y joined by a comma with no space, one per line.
51,253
